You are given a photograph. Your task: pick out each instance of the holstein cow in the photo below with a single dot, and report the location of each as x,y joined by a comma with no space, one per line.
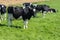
16,12
25,5
2,12
44,9
52,10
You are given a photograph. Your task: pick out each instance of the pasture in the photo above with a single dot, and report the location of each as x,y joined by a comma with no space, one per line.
39,28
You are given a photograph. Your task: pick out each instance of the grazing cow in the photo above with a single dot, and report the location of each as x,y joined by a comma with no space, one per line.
44,8
52,10
30,5
2,12
40,8
16,12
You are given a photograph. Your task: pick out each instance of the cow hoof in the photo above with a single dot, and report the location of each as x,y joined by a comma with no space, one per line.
25,27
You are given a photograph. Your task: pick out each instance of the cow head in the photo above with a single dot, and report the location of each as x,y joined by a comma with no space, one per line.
2,8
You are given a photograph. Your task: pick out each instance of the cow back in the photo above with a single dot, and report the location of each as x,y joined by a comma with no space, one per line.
17,12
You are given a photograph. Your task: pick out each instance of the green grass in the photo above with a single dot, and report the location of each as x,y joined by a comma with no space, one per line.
47,28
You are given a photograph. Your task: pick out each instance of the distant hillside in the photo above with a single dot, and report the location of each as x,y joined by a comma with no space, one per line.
11,2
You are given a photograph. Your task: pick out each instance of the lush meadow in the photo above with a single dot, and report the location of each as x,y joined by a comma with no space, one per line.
47,28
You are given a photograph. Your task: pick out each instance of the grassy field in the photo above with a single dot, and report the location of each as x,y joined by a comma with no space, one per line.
47,28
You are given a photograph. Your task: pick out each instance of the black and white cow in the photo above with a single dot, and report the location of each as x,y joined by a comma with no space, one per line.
44,9
30,5
2,12
52,10
16,12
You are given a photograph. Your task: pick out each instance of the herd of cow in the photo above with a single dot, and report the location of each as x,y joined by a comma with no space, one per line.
27,11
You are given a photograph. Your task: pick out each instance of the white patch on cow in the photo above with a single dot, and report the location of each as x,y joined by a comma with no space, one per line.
23,7
51,11
34,10
2,6
44,11
20,17
25,24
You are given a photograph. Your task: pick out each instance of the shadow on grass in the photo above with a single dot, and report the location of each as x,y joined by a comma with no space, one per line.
10,26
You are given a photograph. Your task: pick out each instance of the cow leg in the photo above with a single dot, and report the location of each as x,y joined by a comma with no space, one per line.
34,15
44,13
25,24
0,17
5,16
9,19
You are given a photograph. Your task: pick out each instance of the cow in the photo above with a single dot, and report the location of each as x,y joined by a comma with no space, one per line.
16,12
30,5
44,9
52,10
2,12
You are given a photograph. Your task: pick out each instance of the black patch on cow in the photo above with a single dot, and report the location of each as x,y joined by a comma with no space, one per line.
17,12
2,9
